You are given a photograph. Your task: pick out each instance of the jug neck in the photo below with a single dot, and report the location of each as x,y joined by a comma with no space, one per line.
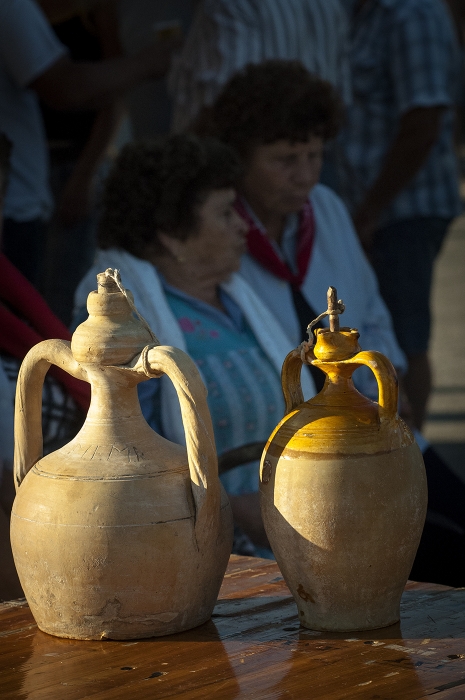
114,406
338,387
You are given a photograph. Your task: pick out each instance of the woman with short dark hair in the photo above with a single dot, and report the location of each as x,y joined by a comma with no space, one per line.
158,186
270,101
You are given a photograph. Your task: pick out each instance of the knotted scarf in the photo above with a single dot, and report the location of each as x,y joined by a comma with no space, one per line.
261,248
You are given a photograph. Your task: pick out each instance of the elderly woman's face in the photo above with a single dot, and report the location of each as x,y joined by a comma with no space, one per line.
214,250
280,175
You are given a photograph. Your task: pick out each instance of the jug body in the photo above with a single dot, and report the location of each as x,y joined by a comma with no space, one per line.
103,533
343,495
122,534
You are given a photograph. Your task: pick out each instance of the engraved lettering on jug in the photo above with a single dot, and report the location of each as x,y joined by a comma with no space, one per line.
105,453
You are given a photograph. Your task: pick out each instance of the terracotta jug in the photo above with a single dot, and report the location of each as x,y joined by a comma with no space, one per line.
343,488
120,534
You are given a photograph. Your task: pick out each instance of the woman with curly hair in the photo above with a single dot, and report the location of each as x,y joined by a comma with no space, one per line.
169,225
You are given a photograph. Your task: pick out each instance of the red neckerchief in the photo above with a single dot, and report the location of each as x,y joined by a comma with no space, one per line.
261,248
17,337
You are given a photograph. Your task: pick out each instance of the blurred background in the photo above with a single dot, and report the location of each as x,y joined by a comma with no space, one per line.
80,79
445,424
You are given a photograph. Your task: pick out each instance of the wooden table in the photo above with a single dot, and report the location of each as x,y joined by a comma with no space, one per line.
252,648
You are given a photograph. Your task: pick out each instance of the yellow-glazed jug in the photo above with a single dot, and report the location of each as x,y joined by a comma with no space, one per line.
343,488
120,534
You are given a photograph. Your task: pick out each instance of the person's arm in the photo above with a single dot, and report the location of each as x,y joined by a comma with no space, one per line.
423,71
72,85
76,198
418,130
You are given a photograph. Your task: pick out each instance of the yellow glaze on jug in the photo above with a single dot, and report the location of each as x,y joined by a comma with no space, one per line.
120,534
343,490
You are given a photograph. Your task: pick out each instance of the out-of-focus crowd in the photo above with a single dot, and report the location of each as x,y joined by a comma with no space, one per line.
232,158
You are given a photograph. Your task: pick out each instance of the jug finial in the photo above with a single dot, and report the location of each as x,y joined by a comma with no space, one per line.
106,284
333,343
335,308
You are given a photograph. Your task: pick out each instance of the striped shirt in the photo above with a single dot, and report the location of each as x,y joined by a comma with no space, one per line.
404,54
226,35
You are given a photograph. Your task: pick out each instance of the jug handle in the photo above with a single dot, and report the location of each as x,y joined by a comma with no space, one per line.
386,378
198,429
381,367
290,380
28,402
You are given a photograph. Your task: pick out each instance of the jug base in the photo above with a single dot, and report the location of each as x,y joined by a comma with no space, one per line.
350,628
125,631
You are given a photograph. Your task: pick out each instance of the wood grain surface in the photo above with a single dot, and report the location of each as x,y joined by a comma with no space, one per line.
252,648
